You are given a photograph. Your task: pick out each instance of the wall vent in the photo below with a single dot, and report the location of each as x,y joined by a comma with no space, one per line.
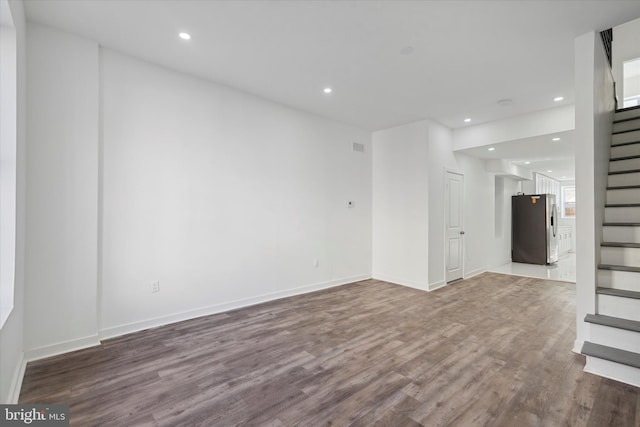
357,147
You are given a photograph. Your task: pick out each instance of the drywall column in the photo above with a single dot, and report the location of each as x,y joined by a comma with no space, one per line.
400,208
62,198
11,334
594,114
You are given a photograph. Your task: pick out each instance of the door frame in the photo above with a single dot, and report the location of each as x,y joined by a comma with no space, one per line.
444,224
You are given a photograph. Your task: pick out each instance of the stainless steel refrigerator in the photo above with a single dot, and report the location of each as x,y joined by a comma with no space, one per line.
534,229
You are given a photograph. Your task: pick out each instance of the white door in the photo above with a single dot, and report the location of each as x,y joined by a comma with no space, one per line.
454,233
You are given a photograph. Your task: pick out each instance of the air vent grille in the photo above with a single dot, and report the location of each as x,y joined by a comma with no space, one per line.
607,38
357,147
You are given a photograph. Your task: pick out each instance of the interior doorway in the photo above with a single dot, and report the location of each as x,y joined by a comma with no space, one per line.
454,225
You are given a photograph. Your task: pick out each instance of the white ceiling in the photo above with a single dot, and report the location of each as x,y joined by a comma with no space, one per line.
466,55
542,152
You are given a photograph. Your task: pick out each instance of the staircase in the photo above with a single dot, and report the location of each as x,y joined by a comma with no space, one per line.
614,347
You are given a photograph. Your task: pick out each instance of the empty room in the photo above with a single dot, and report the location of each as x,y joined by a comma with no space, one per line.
320,213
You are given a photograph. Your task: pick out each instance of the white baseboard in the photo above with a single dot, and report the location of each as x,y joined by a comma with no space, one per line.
16,382
473,273
612,370
128,328
401,281
60,348
577,346
436,285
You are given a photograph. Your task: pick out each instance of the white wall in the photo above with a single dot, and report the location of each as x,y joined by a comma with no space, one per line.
478,214
400,210
11,334
594,114
62,201
553,120
500,237
625,46
409,166
222,197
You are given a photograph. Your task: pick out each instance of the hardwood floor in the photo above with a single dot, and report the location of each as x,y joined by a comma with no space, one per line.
491,351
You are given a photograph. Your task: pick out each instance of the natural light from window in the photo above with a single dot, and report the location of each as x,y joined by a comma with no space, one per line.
631,85
568,201
8,108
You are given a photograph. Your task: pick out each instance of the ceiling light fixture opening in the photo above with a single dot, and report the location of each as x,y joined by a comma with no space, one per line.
527,163
549,171
467,120
558,98
491,148
327,90
555,139
185,36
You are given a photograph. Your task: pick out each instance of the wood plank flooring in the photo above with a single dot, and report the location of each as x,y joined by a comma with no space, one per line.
491,351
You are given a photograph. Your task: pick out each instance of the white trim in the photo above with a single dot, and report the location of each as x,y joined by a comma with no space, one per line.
436,285
402,282
612,370
128,328
61,347
577,346
16,382
474,273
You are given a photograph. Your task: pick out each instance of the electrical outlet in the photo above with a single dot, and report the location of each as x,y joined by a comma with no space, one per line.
155,287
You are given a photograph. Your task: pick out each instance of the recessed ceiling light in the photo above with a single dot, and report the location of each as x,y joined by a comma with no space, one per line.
491,148
558,98
185,36
467,120
527,163
327,90
555,139
549,171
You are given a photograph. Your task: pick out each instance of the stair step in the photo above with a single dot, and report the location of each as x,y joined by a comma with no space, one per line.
623,179
620,255
617,159
622,293
623,195
621,277
623,187
620,245
621,224
625,137
625,150
622,214
624,164
622,232
611,353
629,171
615,302
626,114
627,125
613,322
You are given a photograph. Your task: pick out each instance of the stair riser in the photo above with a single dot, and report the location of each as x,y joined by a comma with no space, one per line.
625,151
625,308
622,214
625,115
615,371
620,256
629,195
624,165
621,235
626,125
614,337
621,138
624,179
627,280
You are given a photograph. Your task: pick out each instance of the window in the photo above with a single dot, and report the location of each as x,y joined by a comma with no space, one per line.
8,109
569,201
631,83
